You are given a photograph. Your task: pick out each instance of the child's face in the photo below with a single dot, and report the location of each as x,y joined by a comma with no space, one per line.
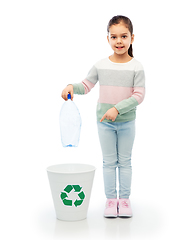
120,38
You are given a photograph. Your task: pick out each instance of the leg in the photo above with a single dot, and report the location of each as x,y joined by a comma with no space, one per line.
108,141
126,135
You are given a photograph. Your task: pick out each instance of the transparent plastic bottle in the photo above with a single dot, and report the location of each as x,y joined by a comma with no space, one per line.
70,124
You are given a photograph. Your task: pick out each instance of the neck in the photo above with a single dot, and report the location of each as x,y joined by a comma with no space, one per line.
120,58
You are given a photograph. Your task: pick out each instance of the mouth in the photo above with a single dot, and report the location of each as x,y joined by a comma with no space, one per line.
119,47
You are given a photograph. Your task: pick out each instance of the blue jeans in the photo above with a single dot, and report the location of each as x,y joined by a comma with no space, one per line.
116,140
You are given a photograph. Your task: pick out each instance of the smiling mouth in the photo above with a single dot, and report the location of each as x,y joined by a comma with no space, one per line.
119,47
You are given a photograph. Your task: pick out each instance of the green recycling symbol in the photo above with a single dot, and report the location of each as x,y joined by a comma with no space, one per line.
77,202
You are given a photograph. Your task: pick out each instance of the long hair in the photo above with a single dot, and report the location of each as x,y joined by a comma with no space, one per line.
118,19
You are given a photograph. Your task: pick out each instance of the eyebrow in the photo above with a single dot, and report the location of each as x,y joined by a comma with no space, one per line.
116,34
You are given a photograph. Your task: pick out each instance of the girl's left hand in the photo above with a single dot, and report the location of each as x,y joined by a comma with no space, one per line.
111,114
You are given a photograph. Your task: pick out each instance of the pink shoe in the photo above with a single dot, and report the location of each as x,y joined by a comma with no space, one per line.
111,208
125,208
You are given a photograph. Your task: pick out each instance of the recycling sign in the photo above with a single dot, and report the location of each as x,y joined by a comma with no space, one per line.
72,190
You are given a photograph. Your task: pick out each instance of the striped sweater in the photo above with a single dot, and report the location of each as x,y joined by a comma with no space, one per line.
121,85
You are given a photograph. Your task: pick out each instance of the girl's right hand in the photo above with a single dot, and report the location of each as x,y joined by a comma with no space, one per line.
66,91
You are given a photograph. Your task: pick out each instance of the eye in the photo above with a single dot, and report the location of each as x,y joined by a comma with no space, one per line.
124,36
113,37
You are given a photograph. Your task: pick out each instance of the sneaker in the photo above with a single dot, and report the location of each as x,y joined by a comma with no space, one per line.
111,208
124,208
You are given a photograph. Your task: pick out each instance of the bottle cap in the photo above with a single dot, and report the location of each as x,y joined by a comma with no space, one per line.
69,96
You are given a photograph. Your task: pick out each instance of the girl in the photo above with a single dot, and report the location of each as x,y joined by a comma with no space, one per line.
121,79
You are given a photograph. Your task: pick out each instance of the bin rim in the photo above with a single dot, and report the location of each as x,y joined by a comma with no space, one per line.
51,170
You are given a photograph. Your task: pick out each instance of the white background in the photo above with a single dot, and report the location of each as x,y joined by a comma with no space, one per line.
45,45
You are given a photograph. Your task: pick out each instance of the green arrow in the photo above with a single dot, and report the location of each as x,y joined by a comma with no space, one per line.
77,188
68,188
63,195
78,202
81,195
67,202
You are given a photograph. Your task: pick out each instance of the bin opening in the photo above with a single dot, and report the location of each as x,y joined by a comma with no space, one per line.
71,168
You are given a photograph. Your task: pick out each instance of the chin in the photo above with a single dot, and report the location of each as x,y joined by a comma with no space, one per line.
120,53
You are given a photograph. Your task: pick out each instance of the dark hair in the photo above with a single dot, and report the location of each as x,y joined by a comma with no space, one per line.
122,19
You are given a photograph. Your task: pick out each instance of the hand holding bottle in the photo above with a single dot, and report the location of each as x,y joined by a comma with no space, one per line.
66,91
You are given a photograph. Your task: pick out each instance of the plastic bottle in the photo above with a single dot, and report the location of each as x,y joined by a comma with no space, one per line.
70,124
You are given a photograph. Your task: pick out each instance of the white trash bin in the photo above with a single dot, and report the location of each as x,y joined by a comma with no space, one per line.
71,186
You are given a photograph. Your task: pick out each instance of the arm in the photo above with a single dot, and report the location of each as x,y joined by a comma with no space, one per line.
137,96
84,87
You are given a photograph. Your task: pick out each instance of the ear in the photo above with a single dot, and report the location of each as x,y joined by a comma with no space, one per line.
132,38
108,38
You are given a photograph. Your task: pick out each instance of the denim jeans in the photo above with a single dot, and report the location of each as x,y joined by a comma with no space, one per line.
116,140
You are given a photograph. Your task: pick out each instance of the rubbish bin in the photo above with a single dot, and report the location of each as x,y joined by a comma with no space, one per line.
71,186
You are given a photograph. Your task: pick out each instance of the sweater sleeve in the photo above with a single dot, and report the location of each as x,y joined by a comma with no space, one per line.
138,93
87,84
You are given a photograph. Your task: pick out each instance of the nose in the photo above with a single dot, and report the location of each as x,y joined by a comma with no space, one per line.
119,40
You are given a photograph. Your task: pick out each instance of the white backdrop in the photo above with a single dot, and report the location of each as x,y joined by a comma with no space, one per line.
45,45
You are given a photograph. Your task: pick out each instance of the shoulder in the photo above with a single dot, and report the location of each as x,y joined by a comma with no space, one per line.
137,65
102,63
